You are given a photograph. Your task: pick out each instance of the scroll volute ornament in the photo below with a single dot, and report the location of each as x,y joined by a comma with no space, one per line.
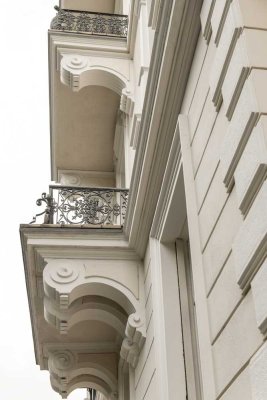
134,339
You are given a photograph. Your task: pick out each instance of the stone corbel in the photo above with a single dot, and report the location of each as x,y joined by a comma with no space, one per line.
67,280
71,69
60,363
127,102
134,339
65,369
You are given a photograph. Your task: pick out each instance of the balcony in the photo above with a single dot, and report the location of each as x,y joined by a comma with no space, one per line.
92,207
90,23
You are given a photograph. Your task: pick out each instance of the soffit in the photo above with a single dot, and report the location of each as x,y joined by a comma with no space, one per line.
104,6
82,332
84,127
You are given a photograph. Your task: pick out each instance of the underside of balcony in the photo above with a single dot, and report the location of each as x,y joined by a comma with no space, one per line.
87,306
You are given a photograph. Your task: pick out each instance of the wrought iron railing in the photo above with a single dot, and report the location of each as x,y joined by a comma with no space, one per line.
83,206
90,23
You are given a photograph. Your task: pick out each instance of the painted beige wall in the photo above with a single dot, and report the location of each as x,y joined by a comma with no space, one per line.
105,6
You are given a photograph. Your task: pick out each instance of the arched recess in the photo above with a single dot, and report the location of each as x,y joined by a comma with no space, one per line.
62,380
83,381
97,371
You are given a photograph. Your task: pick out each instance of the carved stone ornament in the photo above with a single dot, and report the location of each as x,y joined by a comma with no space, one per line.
63,360
70,179
64,274
127,102
134,340
129,352
70,70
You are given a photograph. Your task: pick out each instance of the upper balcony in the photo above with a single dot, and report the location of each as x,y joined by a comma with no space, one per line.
91,23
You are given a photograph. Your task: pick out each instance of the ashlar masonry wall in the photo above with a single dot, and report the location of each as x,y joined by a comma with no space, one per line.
226,106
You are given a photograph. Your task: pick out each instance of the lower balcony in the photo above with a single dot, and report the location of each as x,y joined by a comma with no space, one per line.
92,207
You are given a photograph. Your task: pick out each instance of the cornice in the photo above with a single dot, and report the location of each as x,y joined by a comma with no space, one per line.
175,40
53,241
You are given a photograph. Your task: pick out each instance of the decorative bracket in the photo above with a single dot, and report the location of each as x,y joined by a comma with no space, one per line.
134,340
127,102
78,71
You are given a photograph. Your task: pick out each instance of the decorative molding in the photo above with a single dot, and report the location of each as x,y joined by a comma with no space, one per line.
135,329
251,170
135,130
246,56
251,105
71,70
130,352
222,19
237,91
142,71
217,96
253,188
86,178
127,102
259,291
68,179
205,17
231,32
81,348
62,361
229,176
179,25
134,340
250,244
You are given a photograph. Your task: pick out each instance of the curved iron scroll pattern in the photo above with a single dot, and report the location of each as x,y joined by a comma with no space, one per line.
94,24
82,206
95,207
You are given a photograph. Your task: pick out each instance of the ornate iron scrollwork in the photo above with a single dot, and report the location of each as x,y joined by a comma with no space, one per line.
91,23
49,210
82,206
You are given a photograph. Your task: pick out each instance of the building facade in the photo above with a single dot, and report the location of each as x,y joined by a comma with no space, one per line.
147,277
